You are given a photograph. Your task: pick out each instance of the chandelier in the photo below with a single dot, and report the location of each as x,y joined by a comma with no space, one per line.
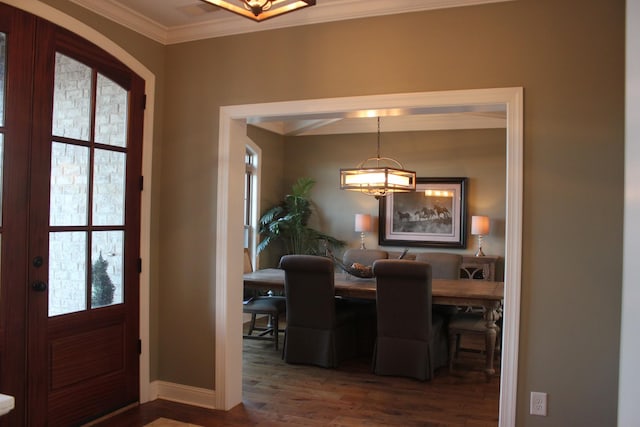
378,176
259,10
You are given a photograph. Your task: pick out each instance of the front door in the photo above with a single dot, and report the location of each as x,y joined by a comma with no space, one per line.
77,216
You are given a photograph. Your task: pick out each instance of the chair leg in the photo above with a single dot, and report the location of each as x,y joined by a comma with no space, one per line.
453,337
252,325
454,348
275,329
284,345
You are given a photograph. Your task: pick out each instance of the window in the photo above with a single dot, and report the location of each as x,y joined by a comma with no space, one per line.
250,200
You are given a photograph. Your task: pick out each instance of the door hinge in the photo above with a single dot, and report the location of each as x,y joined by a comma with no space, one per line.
141,182
139,265
139,346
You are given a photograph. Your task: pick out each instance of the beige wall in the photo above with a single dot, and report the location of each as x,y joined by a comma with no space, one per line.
569,57
476,154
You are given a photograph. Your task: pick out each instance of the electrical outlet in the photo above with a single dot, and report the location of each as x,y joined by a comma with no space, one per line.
538,405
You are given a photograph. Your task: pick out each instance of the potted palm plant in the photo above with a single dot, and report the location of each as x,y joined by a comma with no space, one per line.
287,223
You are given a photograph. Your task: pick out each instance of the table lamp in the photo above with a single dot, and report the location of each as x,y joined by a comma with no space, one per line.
363,224
480,228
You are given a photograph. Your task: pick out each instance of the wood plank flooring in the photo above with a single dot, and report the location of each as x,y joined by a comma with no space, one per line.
278,394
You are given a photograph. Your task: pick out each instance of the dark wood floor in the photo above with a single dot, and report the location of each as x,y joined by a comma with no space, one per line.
276,394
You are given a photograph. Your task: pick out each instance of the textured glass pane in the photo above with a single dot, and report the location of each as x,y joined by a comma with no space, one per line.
1,174
106,268
69,184
111,113
3,73
108,187
0,268
67,272
71,99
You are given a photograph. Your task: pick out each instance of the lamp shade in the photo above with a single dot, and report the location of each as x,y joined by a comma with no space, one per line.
479,225
363,222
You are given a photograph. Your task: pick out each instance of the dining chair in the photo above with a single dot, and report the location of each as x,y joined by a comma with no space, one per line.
412,340
271,306
365,309
471,324
363,256
460,320
443,266
320,330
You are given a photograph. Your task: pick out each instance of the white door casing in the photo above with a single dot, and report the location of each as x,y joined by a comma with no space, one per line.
232,137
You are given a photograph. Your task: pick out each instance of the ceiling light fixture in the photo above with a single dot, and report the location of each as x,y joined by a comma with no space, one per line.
374,178
259,10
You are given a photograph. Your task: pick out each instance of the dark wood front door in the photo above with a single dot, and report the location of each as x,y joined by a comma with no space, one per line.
72,139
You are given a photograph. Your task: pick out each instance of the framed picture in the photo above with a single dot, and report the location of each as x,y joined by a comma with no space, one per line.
433,215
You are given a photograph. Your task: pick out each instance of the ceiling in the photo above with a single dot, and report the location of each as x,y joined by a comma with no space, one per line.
177,21
468,117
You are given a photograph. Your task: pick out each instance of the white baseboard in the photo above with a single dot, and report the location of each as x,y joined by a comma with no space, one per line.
195,396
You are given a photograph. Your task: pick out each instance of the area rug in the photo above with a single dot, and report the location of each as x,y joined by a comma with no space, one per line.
166,422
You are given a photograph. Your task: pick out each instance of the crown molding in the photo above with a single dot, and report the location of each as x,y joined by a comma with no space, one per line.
229,24
126,17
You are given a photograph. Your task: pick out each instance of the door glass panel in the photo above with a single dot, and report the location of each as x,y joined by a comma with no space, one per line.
106,268
67,272
71,99
108,187
69,184
3,71
3,68
1,173
111,113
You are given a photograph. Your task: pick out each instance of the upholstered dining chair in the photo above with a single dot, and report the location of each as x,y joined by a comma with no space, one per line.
411,341
269,305
443,266
365,309
320,331
363,256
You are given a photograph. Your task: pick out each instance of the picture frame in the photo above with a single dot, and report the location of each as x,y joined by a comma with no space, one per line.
432,216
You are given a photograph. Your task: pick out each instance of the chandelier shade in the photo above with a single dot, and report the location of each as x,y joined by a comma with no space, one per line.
377,181
259,10
378,176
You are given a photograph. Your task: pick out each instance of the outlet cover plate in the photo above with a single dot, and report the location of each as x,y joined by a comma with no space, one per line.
538,404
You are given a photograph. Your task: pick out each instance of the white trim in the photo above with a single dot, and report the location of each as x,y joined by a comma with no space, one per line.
228,315
629,372
255,198
513,257
229,204
183,394
53,15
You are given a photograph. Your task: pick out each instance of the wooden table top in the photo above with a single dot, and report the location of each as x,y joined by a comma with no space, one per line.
450,292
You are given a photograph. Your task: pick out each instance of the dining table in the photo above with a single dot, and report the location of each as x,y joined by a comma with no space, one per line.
488,295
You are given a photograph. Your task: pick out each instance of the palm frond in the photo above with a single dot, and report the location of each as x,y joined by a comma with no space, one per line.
287,222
